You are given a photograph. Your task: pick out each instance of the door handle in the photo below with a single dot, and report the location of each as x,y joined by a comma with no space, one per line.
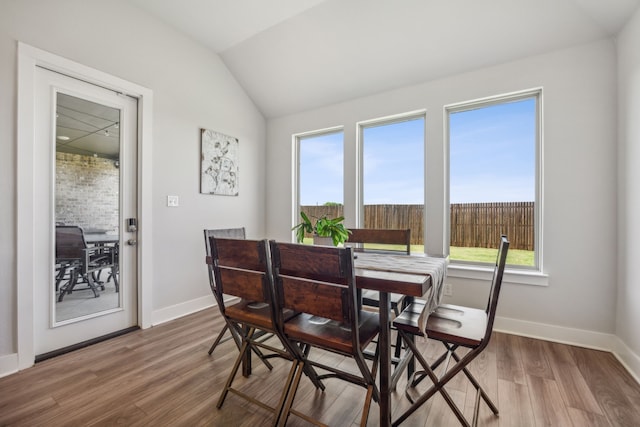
132,242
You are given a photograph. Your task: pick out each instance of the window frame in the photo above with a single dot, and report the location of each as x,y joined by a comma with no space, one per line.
381,121
528,274
295,167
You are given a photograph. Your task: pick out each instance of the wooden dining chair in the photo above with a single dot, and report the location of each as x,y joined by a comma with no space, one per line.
319,283
394,241
242,268
229,233
385,241
455,326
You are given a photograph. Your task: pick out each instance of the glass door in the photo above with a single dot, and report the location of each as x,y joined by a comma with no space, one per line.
86,139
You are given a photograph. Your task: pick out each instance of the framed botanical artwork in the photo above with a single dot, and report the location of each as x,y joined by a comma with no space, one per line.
219,163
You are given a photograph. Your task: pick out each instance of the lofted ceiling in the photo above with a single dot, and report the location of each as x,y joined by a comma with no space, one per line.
295,55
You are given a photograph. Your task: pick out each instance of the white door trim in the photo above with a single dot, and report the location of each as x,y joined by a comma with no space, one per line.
28,58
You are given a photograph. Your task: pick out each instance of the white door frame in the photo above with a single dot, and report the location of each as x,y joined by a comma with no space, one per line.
28,58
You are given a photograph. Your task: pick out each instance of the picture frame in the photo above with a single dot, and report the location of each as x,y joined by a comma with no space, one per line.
219,155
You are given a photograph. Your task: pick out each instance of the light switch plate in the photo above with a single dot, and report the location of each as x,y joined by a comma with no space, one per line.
173,201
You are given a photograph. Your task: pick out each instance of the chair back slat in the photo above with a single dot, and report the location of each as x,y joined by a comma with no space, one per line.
323,263
318,280
246,284
316,298
239,268
231,233
386,237
236,253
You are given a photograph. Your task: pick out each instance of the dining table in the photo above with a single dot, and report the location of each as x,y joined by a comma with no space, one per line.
101,239
420,276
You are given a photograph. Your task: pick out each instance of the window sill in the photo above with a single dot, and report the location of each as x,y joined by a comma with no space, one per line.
520,277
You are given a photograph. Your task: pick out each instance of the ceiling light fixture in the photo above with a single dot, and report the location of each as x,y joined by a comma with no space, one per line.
63,138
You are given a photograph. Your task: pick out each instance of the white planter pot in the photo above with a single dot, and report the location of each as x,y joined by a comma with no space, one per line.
322,241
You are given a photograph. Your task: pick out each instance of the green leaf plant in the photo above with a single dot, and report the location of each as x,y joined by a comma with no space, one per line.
323,227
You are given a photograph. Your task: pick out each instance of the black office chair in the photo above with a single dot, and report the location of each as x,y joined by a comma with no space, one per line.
77,261
455,326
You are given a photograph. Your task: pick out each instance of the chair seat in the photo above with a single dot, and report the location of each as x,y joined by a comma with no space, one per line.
452,323
372,299
329,334
254,314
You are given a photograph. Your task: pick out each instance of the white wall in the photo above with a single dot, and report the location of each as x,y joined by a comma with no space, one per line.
628,307
192,89
579,90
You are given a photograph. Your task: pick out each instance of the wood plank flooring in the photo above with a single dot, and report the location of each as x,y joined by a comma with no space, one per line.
163,376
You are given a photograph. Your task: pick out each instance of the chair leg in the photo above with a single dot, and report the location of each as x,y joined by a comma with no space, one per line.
291,387
479,390
68,288
371,390
398,347
219,338
287,408
283,416
238,340
234,371
310,372
438,385
114,275
247,335
92,284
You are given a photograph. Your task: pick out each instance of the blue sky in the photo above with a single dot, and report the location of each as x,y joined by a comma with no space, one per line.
393,161
492,159
321,174
492,153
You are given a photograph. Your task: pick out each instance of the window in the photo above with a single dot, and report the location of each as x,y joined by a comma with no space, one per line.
320,175
493,178
393,175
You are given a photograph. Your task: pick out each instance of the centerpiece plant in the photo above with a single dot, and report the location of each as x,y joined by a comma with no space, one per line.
322,227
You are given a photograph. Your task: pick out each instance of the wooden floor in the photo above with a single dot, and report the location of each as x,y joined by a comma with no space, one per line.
163,376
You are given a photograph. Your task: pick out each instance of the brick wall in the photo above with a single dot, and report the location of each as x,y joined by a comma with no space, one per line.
86,191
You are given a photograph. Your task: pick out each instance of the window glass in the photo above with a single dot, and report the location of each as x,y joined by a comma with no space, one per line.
320,176
493,179
393,176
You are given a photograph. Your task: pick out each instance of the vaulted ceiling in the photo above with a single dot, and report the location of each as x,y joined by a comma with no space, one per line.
295,55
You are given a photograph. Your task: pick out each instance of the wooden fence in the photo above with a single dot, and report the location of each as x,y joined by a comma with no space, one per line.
476,225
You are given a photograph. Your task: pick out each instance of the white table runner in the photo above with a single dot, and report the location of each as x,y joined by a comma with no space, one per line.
436,267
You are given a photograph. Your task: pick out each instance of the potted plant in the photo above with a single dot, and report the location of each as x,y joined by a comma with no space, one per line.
323,227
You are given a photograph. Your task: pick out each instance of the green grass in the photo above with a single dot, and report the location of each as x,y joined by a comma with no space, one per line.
514,257
483,255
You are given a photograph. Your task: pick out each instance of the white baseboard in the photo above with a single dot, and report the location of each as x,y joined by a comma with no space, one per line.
8,364
183,309
179,310
628,358
561,334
